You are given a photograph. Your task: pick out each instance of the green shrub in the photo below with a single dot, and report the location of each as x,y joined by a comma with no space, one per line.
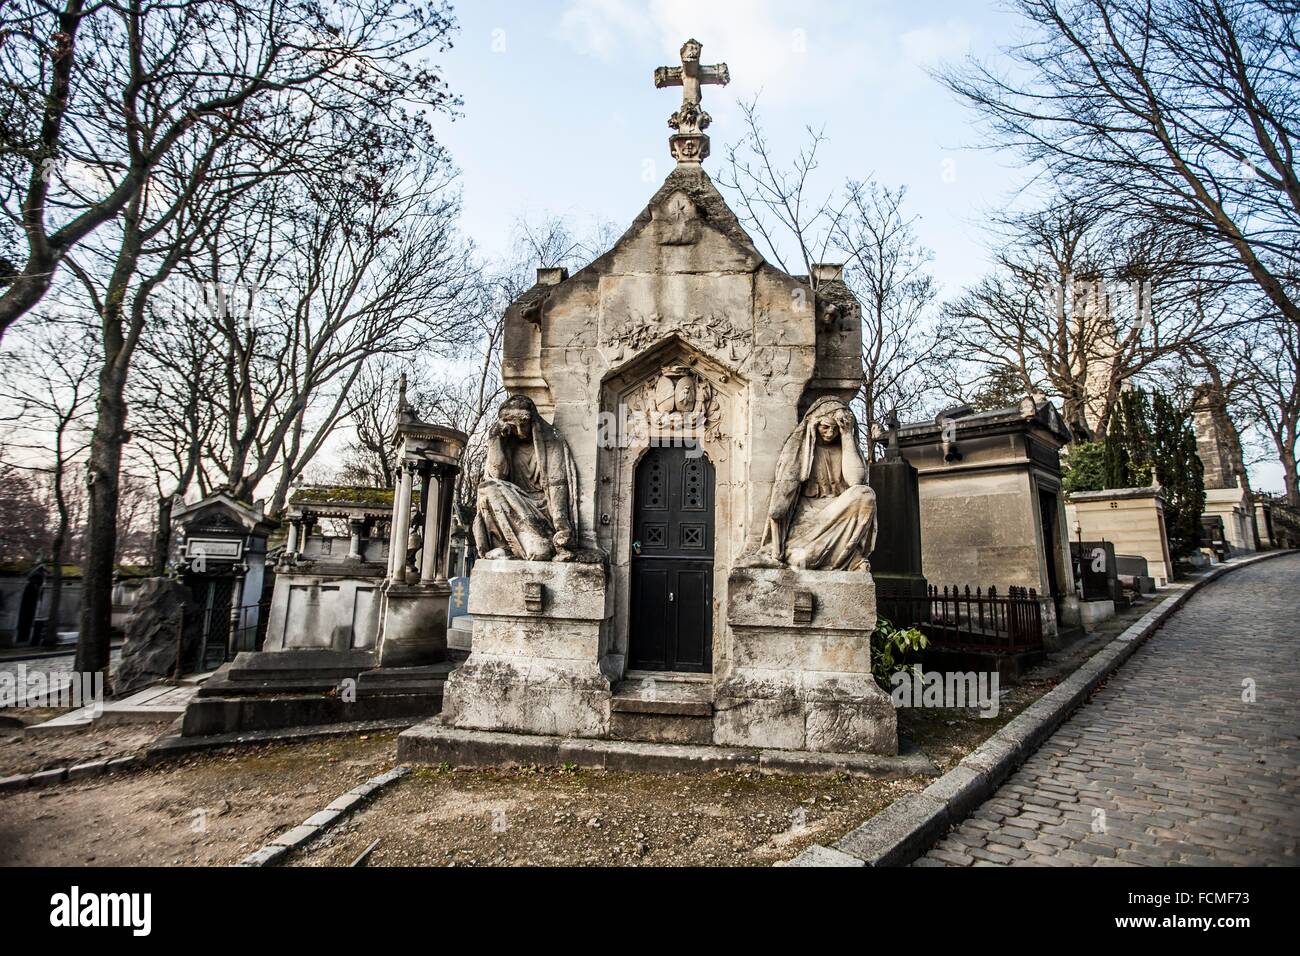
891,648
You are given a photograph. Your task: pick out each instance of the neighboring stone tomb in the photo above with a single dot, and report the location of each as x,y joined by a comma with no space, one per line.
674,520
359,634
219,549
991,506
1132,519
329,584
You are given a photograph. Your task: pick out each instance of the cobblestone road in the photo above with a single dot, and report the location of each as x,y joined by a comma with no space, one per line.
1168,763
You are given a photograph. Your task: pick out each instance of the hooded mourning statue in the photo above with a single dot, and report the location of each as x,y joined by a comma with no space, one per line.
822,514
528,497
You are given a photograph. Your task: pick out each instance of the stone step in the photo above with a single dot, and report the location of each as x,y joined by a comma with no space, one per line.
663,695
663,708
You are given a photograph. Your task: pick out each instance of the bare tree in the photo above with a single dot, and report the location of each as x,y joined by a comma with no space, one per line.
866,227
1076,306
345,100
47,385
172,417
888,270
97,95
1270,393
313,281
1181,115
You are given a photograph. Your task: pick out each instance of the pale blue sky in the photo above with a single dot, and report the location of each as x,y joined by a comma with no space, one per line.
561,113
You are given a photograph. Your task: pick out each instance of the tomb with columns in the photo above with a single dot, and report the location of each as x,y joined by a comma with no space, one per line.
357,627
674,520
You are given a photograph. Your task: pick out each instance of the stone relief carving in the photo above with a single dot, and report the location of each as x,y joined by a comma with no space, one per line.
639,332
822,513
528,496
677,221
678,400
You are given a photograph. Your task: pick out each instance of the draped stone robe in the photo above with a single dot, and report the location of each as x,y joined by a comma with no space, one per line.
824,512
528,496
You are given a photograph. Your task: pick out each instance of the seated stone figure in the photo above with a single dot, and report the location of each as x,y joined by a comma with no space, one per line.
528,496
822,514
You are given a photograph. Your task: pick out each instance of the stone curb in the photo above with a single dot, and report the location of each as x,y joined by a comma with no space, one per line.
173,745
316,824
431,743
70,774
909,826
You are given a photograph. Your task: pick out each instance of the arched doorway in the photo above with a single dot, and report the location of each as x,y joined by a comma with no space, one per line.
670,624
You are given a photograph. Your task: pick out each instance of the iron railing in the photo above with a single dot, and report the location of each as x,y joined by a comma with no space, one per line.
960,619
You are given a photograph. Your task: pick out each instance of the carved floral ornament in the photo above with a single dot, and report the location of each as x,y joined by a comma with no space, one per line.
714,331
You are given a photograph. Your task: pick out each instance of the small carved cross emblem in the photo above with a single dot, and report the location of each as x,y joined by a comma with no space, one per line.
689,144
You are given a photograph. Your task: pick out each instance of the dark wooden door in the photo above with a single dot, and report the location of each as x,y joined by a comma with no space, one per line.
671,614
1047,516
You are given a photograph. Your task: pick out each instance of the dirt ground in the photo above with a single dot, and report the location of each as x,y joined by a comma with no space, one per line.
27,754
533,817
201,810
214,809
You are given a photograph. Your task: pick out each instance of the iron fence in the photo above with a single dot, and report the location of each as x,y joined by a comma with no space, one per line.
960,619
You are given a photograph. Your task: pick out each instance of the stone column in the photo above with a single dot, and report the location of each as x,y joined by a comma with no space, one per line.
431,559
291,545
354,545
447,486
401,524
236,605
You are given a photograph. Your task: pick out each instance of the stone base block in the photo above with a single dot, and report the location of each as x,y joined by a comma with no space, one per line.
1092,613
800,674
534,667
415,625
434,743
776,713
227,715
528,695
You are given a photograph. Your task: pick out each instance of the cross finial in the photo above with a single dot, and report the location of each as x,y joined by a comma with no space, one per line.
689,144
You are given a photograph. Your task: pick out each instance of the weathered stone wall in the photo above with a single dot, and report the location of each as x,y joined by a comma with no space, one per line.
684,285
311,608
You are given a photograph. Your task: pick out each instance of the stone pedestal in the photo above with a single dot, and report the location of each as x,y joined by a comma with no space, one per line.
800,673
901,588
415,624
535,663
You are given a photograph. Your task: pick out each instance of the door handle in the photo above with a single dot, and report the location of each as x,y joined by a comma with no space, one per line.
670,597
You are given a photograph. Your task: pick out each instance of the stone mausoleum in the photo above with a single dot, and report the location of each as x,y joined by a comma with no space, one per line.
674,520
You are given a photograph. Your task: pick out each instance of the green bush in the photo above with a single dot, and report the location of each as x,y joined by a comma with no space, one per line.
1085,469
891,648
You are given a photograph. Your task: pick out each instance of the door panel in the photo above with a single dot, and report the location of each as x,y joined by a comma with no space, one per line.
671,625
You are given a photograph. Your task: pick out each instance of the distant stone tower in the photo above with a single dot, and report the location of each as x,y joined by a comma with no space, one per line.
1227,486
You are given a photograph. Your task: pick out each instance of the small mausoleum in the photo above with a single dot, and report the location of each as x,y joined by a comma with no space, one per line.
674,519
992,513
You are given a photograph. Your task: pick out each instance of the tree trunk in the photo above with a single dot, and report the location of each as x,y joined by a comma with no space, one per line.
103,479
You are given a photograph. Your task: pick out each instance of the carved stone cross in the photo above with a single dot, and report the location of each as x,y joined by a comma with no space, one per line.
689,144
